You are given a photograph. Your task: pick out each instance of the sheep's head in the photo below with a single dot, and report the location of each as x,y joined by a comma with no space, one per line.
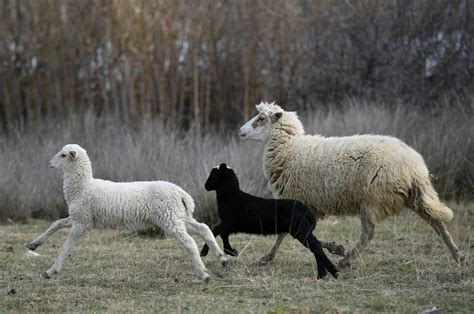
221,177
259,127
67,156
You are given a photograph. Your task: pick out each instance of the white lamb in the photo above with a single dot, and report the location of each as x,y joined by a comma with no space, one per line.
132,205
366,175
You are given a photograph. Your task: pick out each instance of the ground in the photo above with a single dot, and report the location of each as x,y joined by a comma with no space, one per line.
406,268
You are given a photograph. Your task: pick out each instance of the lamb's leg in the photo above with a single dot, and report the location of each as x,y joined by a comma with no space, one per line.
205,233
216,231
191,247
322,261
227,248
367,234
55,226
271,254
77,231
441,230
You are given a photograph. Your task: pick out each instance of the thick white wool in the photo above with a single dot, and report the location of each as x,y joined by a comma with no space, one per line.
347,175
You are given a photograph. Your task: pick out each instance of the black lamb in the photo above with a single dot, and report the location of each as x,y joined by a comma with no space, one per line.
242,212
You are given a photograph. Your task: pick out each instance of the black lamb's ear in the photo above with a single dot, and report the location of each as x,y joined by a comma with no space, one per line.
222,166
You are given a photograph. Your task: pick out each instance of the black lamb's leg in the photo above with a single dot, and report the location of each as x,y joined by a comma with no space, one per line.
321,258
227,248
307,238
216,231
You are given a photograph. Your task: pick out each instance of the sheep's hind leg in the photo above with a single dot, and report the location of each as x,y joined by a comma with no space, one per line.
55,226
441,230
271,254
77,231
205,233
180,234
366,235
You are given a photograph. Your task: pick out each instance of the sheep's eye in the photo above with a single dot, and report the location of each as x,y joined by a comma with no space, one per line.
260,118
63,155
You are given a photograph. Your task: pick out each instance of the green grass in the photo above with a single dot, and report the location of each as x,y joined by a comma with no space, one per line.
406,268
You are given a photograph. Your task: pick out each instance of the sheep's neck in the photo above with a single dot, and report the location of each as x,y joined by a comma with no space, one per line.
226,193
75,180
276,156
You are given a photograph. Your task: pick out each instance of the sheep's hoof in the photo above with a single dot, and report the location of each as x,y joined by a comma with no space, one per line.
344,263
335,275
32,246
46,275
231,252
206,279
336,249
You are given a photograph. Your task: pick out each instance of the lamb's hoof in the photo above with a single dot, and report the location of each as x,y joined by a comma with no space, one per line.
462,260
232,252
204,252
225,263
46,275
32,246
206,279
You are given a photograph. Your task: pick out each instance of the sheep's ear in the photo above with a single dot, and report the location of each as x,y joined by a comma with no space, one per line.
276,116
72,154
222,166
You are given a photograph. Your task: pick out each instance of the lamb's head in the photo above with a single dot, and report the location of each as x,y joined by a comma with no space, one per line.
68,156
221,177
259,127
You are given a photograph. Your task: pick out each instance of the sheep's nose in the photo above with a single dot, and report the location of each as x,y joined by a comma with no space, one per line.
50,165
242,133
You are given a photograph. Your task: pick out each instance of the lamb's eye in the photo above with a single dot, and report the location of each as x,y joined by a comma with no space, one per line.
63,155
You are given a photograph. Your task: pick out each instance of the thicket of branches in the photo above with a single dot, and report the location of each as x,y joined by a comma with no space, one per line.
206,62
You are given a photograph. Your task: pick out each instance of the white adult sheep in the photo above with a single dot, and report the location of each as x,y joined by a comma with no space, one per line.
370,176
130,205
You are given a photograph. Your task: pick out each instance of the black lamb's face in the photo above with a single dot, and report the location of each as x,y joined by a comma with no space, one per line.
221,176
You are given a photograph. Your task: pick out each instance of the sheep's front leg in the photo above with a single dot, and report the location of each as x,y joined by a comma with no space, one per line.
333,248
77,231
271,254
55,226
366,235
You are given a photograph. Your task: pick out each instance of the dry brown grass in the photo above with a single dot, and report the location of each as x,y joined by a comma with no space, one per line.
405,269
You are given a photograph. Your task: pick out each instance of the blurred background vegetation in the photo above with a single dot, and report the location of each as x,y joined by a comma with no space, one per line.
156,89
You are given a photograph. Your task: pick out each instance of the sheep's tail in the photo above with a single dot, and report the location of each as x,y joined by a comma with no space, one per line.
188,203
429,202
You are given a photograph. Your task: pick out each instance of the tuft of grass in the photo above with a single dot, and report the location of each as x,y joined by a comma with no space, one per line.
406,268
151,150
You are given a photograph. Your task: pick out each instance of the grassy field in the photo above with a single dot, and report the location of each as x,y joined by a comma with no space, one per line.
405,269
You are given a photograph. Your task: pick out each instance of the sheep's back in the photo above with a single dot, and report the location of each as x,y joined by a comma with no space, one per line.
132,205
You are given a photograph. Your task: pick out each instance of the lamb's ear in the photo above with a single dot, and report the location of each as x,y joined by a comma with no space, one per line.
72,155
222,166
276,116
